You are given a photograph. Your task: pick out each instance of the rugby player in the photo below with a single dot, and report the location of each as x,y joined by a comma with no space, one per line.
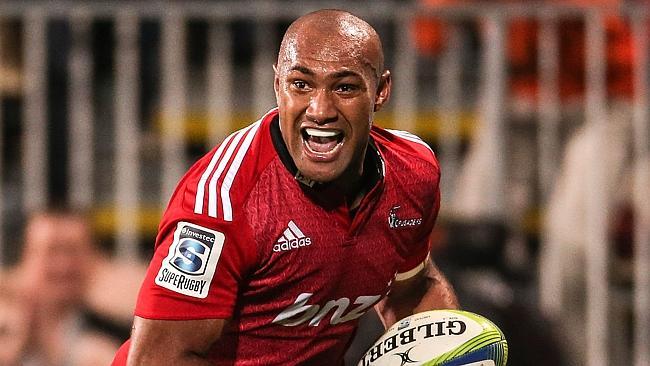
280,238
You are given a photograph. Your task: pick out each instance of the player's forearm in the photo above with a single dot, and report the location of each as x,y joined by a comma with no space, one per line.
164,357
166,354
173,342
439,294
427,291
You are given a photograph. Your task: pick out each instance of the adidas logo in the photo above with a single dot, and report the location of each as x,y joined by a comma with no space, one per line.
292,238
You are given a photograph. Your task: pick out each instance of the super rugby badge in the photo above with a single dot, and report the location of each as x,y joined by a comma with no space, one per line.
192,260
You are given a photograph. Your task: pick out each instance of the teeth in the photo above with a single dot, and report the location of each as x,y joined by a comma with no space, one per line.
321,133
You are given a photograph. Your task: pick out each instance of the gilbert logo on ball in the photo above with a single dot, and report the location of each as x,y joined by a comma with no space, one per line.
440,338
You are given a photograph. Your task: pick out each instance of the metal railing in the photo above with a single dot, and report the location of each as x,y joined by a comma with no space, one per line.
225,93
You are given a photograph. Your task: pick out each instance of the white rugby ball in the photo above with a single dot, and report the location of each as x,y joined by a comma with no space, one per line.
440,338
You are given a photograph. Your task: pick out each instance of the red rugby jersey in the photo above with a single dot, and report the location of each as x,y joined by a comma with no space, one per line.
245,237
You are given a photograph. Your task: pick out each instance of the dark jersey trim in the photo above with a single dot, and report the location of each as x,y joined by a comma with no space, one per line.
281,147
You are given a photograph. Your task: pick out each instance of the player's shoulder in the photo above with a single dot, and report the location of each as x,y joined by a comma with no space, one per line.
217,183
404,144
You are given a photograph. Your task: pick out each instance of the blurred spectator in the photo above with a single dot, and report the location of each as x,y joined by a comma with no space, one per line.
522,49
619,54
563,258
13,328
44,315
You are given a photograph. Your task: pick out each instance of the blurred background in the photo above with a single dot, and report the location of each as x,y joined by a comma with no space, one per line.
537,110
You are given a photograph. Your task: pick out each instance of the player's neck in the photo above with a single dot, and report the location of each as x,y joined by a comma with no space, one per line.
354,191
353,185
357,182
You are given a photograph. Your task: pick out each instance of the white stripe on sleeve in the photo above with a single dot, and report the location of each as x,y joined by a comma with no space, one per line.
212,187
200,189
232,172
411,273
410,137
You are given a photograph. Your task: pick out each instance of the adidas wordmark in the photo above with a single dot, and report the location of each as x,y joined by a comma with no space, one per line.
292,238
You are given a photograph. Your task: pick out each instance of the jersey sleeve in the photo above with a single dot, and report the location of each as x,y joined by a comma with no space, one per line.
199,262
419,250
429,197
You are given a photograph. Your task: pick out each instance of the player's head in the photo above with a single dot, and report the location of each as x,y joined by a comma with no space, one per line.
57,256
329,82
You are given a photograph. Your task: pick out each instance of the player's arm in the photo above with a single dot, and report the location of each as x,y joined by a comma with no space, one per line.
173,342
424,288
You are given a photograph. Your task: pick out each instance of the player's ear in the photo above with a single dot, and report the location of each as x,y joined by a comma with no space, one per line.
276,80
383,90
276,83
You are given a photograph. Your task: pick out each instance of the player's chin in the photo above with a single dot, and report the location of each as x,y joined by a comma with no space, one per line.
321,172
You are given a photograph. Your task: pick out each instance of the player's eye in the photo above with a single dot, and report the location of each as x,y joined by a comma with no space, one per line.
299,84
346,88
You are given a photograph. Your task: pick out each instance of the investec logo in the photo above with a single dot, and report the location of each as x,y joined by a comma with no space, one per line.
292,238
191,261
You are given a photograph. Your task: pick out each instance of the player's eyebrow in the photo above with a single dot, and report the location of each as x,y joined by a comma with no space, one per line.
336,75
302,69
344,73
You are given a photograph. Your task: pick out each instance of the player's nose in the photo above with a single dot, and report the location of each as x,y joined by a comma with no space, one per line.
321,107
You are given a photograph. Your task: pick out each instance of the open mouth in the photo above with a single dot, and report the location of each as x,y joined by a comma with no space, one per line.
322,143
